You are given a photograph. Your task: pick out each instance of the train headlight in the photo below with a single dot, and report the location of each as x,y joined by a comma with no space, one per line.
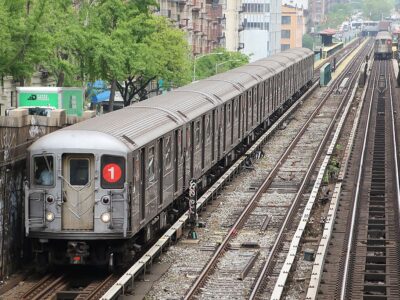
105,217
49,216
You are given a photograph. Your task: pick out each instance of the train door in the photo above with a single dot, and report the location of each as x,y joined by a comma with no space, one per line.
192,150
78,192
248,109
160,171
220,131
203,141
178,161
142,172
239,116
235,120
135,204
213,137
224,129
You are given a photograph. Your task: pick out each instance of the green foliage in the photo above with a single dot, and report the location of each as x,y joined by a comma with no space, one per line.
67,40
338,14
375,10
6,49
120,41
221,61
26,41
307,41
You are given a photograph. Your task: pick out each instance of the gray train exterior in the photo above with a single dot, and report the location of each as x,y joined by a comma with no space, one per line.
116,175
383,45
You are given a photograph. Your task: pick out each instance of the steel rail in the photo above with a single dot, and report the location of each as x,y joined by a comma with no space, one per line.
396,164
248,209
36,293
357,195
268,263
301,227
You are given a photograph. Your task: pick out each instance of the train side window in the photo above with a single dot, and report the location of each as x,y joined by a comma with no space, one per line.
43,169
228,114
208,127
78,171
136,173
168,157
235,105
113,172
187,138
151,166
197,133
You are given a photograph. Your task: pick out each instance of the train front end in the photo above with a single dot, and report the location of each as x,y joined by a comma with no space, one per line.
383,46
76,197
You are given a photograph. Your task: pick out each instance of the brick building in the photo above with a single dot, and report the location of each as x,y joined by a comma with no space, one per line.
200,19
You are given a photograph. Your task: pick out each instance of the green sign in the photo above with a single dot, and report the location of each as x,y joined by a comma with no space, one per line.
72,101
38,99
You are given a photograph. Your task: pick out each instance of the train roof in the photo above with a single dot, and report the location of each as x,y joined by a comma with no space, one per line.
383,35
73,141
142,122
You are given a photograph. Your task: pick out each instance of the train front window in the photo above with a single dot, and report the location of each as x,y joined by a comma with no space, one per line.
78,171
43,168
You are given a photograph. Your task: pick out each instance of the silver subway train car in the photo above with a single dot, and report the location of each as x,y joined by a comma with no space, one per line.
383,45
100,189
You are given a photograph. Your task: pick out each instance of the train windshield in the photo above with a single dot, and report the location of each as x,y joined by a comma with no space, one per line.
79,171
43,168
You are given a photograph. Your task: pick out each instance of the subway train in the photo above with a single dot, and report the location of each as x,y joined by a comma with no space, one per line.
383,45
99,190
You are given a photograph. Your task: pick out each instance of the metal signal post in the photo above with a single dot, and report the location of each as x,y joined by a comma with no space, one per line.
192,208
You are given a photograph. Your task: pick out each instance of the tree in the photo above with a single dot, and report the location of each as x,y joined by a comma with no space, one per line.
130,47
377,9
308,41
338,14
157,51
27,41
67,41
221,61
6,48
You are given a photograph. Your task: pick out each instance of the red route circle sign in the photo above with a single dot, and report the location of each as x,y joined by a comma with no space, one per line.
112,173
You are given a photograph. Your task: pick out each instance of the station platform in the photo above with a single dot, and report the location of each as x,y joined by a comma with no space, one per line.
321,62
347,60
395,67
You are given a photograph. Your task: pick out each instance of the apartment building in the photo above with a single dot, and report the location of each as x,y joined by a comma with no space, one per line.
232,24
261,35
200,19
293,27
318,10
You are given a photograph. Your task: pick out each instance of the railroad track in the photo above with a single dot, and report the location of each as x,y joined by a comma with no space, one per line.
46,287
363,259
371,268
97,288
210,284
292,242
70,286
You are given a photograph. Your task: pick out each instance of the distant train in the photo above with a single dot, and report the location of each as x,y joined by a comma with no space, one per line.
101,188
383,45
